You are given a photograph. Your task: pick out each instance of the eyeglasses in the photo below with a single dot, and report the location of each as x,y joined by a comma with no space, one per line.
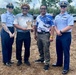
63,6
43,8
25,8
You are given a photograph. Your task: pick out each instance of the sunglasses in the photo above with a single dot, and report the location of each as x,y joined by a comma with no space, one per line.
63,6
11,7
25,8
43,8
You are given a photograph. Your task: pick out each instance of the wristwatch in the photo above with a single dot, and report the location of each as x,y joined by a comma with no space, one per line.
61,32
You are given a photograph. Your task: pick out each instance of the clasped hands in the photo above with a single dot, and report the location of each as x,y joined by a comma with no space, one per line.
11,34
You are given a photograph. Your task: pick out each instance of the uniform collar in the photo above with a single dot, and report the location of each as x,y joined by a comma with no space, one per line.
44,15
25,15
8,12
63,13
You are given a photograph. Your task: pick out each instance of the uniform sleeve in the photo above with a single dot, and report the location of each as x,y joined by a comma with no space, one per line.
15,20
55,21
3,18
70,21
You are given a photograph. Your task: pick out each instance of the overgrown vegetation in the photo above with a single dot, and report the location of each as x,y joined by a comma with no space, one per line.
51,4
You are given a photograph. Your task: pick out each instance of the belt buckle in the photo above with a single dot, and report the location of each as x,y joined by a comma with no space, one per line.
43,32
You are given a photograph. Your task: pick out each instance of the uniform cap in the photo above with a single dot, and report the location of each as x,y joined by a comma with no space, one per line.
63,3
10,5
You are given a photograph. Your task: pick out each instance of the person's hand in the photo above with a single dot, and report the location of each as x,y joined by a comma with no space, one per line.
58,33
32,30
35,37
11,35
14,34
51,38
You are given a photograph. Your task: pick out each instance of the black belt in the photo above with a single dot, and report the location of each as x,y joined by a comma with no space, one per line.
66,32
10,27
23,31
43,32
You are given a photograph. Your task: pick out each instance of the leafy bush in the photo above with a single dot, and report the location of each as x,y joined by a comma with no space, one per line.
16,11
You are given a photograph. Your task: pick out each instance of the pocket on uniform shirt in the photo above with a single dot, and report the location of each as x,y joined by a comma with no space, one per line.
64,19
10,19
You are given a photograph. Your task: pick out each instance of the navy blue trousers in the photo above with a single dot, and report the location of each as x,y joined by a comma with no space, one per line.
23,37
63,47
6,42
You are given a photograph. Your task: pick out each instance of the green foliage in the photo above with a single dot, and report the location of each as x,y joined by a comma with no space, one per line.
52,7
52,2
69,1
31,11
16,10
72,9
49,10
54,11
20,2
2,10
34,11
44,2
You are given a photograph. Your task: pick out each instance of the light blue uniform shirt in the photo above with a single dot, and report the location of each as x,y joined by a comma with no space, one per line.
63,20
22,20
7,18
44,22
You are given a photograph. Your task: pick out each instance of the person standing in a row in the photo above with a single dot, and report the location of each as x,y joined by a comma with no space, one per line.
7,34
44,35
63,26
23,34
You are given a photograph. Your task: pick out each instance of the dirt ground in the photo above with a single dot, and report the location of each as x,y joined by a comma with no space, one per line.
37,69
